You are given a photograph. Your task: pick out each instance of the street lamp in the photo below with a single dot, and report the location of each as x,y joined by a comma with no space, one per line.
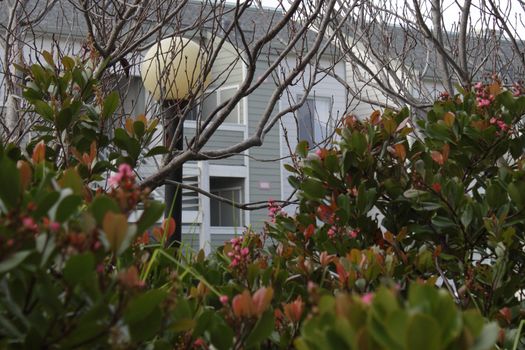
171,72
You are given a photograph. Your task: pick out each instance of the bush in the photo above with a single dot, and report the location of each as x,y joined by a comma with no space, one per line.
384,215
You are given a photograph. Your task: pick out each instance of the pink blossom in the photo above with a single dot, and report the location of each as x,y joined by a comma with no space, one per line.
493,120
29,223
224,299
199,342
54,226
245,251
332,231
367,298
502,125
353,233
124,171
483,102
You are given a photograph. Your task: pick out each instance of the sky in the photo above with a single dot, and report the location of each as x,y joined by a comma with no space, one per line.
510,8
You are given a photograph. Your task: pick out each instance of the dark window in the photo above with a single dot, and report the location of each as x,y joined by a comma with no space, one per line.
224,214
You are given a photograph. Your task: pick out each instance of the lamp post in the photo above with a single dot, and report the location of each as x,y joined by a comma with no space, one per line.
170,72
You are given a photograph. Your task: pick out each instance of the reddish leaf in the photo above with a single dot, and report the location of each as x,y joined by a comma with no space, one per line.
437,157
39,152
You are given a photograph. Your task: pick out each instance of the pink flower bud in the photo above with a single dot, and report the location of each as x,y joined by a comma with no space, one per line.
224,299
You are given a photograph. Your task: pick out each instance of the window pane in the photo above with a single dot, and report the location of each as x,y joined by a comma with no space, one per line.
305,121
224,95
314,120
224,214
208,105
133,96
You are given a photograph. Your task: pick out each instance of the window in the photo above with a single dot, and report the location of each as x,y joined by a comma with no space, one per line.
314,120
224,214
133,96
212,99
224,95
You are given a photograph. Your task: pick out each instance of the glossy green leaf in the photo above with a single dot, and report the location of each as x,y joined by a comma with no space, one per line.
13,261
101,205
262,329
422,333
151,214
141,306
10,188
67,207
79,268
111,104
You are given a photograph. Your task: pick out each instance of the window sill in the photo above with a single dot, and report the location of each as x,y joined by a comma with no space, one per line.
223,126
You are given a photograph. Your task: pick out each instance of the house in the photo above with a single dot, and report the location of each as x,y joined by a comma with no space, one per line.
256,175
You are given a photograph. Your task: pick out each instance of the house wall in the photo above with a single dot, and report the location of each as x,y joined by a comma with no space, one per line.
329,88
264,177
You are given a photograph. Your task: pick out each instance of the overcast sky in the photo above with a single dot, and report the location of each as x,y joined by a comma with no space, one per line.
510,8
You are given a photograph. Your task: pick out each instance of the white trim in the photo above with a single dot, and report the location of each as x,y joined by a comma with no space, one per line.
247,216
281,153
191,217
192,124
216,170
218,95
226,230
205,234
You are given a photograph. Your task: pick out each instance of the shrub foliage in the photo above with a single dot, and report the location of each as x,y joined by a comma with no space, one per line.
406,235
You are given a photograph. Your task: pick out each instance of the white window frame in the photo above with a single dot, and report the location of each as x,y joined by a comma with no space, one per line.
316,120
229,174
237,126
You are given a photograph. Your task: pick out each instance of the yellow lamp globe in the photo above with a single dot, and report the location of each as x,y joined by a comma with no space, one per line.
172,69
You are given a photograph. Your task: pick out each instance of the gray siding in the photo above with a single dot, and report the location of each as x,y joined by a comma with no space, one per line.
268,172
218,240
221,139
190,242
227,69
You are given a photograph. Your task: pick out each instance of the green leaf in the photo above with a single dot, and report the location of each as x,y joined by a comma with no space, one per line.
148,327
63,119
67,207
101,205
359,142
111,104
220,333
141,306
302,149
156,151
443,222
313,189
422,333
262,329
517,193
412,193
487,338
10,188
139,128
13,261
39,74
44,110
68,63
45,203
71,179
79,268
152,212
494,196
49,58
